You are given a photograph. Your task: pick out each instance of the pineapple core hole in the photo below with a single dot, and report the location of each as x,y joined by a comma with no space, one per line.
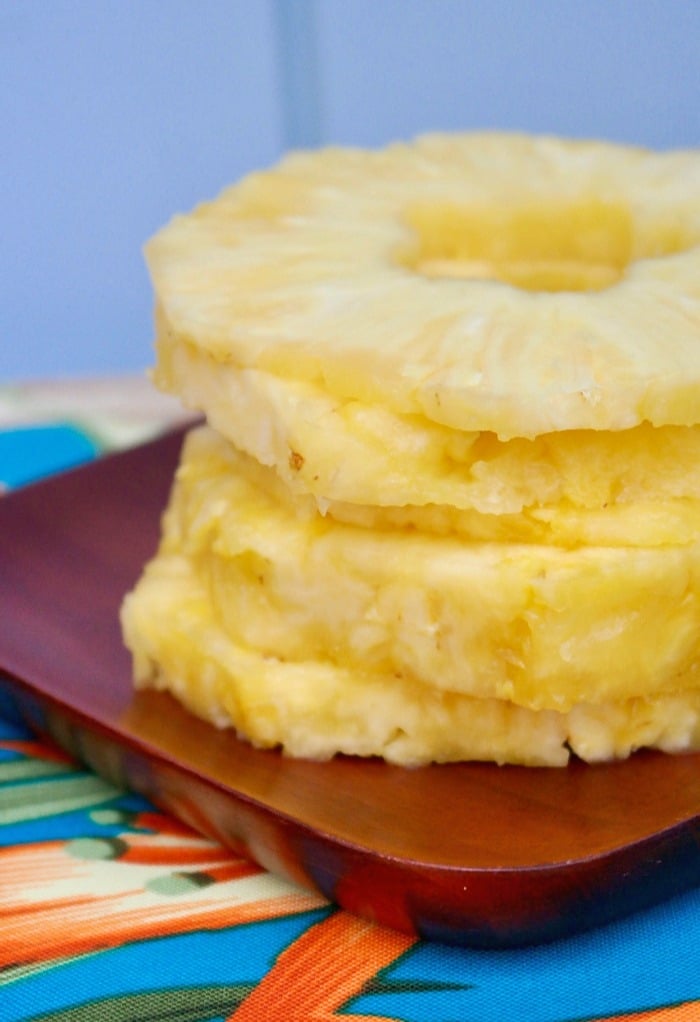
581,246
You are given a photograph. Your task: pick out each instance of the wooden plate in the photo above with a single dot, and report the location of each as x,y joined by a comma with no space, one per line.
470,854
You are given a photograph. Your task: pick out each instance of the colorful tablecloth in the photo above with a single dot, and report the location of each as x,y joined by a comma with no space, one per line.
112,911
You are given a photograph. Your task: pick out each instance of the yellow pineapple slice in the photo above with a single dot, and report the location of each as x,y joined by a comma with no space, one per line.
368,465
299,632
448,505
485,282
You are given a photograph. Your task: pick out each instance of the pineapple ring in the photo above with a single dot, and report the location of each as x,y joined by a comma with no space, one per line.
536,626
484,282
316,709
369,466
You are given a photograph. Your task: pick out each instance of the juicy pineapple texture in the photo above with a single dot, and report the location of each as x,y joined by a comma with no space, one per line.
323,637
484,282
447,502
366,464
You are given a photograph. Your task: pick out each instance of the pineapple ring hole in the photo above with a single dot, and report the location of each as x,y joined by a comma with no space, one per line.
574,246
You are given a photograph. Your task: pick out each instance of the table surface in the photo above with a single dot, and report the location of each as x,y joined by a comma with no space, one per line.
111,910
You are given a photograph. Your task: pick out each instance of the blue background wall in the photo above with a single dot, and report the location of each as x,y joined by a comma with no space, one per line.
114,114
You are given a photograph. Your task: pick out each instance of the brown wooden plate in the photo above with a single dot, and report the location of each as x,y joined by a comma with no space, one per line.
470,853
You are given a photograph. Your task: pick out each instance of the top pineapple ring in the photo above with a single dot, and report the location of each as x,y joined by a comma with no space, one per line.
487,282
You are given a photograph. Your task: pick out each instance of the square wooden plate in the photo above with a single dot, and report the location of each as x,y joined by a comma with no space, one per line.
470,853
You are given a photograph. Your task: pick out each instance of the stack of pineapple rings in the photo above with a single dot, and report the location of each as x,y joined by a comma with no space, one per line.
446,505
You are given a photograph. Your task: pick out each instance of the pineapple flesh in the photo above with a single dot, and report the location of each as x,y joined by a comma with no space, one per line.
446,504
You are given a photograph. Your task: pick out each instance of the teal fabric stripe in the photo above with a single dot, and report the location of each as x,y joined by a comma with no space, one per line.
642,963
180,967
33,799
30,452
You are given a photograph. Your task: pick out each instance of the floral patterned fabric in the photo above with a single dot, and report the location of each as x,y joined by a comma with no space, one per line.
112,911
